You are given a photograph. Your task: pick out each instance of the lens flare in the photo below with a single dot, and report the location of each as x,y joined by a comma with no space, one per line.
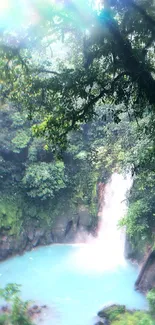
4,5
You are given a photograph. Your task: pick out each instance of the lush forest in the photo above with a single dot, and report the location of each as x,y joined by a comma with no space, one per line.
77,102
37,185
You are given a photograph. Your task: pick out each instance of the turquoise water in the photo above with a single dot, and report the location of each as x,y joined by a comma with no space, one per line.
49,275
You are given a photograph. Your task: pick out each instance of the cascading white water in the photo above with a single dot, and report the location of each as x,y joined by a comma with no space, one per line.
110,237
107,250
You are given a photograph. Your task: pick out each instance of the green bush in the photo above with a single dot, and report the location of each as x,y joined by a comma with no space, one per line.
4,319
18,314
21,140
137,318
10,214
151,300
112,312
43,180
9,291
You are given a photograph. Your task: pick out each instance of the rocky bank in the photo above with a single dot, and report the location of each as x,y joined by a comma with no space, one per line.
146,278
65,229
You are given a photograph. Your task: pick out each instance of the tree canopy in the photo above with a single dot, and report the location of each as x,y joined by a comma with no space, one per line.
74,56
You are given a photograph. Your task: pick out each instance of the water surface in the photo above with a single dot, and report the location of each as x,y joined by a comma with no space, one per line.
53,275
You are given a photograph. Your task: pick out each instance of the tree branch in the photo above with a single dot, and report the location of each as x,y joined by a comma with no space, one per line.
142,11
131,64
92,102
14,53
122,74
48,71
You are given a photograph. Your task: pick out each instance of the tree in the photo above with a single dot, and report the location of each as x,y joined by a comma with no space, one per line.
43,179
109,58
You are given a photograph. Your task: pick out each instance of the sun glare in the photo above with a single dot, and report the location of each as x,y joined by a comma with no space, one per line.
17,13
4,5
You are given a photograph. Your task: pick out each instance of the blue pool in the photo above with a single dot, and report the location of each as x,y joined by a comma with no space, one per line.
53,275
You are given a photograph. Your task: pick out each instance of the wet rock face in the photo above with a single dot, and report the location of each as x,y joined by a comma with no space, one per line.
146,278
26,240
65,229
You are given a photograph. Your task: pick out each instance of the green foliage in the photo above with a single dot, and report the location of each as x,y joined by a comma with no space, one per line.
36,173
113,312
119,315
93,153
151,300
137,220
9,292
36,150
43,179
10,214
21,140
136,318
18,119
104,52
140,219
4,320
18,314
82,155
95,79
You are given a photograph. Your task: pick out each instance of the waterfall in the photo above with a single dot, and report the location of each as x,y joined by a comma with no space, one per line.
107,250
110,237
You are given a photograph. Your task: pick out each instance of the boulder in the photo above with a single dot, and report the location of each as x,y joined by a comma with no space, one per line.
110,313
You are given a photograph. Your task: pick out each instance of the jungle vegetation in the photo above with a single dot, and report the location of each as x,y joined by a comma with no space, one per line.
81,80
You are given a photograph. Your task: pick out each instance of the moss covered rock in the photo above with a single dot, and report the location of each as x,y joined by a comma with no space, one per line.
135,318
119,315
112,312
